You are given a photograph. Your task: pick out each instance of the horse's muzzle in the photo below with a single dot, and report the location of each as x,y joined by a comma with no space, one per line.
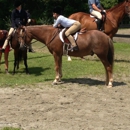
22,47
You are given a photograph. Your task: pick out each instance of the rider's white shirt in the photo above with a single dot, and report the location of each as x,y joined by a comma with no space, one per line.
65,22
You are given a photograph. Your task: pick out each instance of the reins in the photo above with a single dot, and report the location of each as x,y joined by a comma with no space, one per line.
55,34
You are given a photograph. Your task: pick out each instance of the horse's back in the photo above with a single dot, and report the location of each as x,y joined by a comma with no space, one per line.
84,19
96,34
79,15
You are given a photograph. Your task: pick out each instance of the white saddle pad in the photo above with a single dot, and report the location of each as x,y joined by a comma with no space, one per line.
61,35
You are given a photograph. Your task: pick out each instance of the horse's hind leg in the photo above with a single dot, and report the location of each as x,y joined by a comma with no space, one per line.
109,79
109,74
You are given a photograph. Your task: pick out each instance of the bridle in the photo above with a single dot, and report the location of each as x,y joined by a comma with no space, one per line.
20,38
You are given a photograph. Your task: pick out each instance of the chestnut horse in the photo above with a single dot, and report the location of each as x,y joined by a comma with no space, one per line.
113,18
89,43
20,51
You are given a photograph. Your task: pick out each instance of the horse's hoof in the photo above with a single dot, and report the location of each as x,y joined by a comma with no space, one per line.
57,82
54,83
69,59
109,86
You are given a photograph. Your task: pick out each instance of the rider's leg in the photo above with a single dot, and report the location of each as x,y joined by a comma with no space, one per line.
99,18
6,54
75,27
99,24
7,39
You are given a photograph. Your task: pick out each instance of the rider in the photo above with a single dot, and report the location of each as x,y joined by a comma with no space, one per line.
18,18
96,9
28,16
4,34
72,26
29,23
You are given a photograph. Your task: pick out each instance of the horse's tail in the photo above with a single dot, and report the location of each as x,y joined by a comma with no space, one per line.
110,55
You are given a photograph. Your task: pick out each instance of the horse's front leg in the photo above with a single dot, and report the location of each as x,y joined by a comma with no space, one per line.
15,61
58,68
15,64
25,62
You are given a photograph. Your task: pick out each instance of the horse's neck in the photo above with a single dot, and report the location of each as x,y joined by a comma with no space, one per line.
40,33
117,13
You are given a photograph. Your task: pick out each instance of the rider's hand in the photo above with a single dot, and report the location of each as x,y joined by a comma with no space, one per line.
15,27
103,12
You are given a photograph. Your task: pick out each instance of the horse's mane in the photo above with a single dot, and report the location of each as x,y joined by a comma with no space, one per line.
38,26
37,29
116,6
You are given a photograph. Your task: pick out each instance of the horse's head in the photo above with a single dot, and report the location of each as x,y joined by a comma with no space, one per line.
18,38
127,7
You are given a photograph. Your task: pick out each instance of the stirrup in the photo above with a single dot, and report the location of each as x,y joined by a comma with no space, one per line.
71,49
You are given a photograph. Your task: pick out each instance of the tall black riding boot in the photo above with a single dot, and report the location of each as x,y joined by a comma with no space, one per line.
99,24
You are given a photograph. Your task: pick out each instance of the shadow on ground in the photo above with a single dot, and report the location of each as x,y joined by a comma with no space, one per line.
91,82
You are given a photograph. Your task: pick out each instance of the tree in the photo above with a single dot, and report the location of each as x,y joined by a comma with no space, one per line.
108,3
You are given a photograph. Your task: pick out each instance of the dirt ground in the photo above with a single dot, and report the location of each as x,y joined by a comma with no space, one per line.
123,35
70,106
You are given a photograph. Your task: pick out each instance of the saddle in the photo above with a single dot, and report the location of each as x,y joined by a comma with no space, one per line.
65,41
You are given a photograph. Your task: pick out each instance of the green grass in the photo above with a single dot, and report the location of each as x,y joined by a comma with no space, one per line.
41,67
10,128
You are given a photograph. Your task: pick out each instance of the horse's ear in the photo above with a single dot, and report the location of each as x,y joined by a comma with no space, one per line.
23,28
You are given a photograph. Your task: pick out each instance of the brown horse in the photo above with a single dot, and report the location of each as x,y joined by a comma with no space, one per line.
20,51
112,21
89,43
